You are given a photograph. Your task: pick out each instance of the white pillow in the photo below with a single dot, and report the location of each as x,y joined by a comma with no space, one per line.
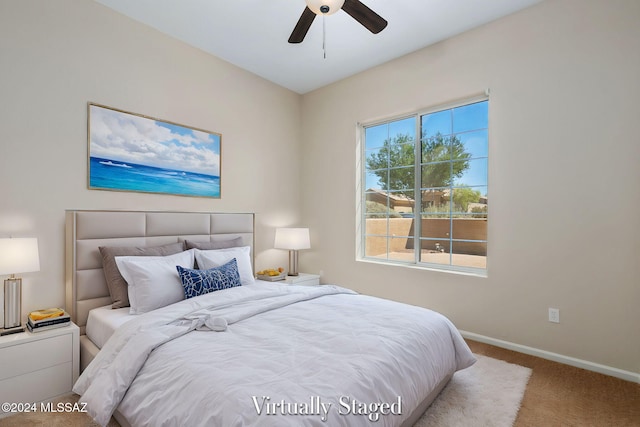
216,258
153,281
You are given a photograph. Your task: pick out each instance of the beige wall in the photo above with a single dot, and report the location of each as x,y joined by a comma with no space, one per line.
564,90
58,55
563,123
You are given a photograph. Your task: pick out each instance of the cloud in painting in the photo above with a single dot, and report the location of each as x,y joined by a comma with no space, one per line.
129,138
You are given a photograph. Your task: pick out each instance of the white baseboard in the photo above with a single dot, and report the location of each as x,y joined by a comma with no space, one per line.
572,361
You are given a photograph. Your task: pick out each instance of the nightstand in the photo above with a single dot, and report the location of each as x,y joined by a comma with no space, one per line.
303,279
39,366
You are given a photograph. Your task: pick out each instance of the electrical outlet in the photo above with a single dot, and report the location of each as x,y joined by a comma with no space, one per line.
554,315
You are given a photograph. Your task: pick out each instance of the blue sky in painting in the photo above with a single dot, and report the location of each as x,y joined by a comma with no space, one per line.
129,138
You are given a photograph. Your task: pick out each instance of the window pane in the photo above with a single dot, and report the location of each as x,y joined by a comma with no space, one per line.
376,246
469,254
436,175
466,199
469,228
377,205
402,178
376,135
436,149
389,239
400,154
398,131
436,123
471,117
436,227
377,158
401,248
380,204
476,144
403,129
435,251
479,209
435,200
401,202
376,224
471,172
373,181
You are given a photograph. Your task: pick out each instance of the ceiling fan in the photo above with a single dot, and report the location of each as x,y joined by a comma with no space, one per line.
358,11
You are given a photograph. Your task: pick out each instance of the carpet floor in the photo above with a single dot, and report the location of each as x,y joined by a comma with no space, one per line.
565,396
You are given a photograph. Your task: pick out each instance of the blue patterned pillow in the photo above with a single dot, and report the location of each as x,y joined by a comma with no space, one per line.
200,282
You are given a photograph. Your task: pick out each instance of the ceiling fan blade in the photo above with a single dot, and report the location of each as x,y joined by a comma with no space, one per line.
303,25
367,17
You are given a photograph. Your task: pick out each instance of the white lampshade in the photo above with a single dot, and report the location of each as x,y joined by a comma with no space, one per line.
334,6
292,238
19,255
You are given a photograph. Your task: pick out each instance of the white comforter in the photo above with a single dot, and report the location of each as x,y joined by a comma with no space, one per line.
283,355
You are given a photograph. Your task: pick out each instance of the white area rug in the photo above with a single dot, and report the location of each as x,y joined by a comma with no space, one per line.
488,394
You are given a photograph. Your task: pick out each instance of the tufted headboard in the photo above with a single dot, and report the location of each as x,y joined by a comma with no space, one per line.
86,287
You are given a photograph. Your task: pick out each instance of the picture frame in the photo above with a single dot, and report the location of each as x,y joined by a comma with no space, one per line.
133,152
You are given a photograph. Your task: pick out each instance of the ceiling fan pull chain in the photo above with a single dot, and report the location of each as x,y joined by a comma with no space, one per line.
324,37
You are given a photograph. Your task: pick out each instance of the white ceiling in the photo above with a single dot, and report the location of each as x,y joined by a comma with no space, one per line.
253,34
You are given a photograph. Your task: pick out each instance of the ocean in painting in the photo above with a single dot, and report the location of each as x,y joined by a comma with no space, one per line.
117,175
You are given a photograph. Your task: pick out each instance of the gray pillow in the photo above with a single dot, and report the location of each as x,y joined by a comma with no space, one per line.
115,282
216,244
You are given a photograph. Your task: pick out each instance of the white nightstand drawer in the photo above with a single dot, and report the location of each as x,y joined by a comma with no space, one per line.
35,355
303,279
37,386
39,366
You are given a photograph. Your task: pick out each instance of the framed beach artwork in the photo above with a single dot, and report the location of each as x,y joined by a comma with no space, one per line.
132,152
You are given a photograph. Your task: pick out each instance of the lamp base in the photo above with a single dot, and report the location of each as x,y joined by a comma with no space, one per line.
293,263
12,302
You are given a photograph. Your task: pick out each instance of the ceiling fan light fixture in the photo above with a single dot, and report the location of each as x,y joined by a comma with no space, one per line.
354,8
319,7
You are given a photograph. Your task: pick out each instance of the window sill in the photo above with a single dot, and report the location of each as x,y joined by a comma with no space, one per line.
451,270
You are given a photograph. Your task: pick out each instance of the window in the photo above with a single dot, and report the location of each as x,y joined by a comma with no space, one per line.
424,188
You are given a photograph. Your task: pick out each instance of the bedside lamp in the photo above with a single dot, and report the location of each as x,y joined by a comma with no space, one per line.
292,239
16,256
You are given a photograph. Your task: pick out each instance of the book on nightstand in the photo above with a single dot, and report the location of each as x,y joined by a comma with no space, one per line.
46,328
42,320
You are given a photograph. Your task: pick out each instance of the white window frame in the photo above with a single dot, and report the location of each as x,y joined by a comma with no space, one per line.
362,195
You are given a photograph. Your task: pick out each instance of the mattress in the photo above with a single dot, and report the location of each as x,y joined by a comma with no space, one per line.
103,321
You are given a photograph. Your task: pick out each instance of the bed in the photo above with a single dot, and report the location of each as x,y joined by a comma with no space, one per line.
257,354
